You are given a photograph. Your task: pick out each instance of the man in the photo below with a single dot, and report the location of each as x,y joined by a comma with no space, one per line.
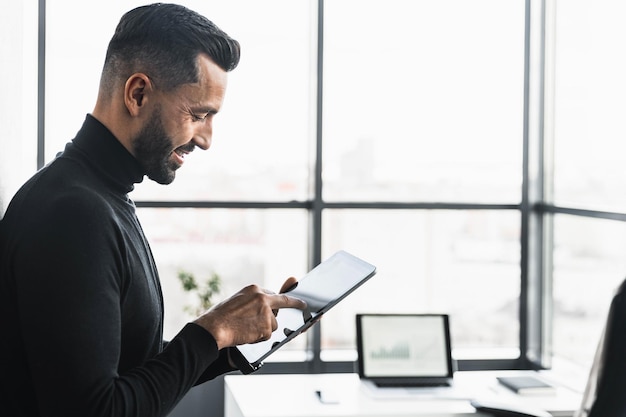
81,310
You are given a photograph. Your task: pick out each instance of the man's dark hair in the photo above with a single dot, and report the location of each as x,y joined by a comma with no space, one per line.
164,41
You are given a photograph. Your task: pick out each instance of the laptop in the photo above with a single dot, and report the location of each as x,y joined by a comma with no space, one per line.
405,353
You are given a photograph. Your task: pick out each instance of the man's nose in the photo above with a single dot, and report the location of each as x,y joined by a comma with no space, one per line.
202,138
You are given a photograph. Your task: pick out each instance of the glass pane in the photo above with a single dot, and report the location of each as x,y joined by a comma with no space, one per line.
422,102
590,150
18,101
589,265
465,263
261,138
242,246
74,63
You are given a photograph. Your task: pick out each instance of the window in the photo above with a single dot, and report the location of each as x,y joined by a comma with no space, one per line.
422,102
18,101
415,93
589,265
588,203
462,262
589,145
401,140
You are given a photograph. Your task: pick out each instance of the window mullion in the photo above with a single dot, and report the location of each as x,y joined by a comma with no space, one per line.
534,303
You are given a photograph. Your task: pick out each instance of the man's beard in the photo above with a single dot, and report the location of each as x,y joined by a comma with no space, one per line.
153,149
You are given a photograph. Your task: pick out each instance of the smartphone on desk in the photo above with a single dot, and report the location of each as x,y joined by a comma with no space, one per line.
321,288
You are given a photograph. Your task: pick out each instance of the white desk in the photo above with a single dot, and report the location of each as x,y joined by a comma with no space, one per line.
295,396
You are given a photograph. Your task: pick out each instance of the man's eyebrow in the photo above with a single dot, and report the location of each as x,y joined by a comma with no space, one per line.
203,109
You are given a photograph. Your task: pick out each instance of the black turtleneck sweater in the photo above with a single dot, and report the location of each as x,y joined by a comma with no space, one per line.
81,310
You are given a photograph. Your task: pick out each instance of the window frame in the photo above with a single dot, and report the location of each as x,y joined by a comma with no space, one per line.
535,207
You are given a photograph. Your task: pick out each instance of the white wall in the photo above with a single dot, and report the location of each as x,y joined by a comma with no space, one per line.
18,95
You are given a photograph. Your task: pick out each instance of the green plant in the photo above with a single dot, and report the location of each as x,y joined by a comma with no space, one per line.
204,291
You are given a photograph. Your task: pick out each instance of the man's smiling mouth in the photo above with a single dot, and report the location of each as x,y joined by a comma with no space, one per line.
182,151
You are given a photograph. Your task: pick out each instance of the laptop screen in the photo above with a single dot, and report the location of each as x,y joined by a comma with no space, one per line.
404,347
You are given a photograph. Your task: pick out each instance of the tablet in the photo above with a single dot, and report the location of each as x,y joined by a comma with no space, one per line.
321,288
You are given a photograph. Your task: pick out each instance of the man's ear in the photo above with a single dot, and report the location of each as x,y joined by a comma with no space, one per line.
136,91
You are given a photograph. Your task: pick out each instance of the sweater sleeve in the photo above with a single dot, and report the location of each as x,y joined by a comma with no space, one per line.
69,293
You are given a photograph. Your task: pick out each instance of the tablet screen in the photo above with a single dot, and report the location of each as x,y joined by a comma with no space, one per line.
322,288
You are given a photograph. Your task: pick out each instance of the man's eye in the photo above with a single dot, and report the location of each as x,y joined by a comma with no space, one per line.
198,118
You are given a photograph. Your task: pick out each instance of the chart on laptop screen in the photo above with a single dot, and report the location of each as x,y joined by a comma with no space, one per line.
404,346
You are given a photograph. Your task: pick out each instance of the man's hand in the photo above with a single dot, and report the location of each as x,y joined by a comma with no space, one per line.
248,316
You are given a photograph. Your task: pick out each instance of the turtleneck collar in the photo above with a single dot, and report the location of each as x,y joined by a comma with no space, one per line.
108,155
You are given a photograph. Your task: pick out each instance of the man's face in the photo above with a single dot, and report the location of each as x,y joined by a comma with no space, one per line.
179,121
